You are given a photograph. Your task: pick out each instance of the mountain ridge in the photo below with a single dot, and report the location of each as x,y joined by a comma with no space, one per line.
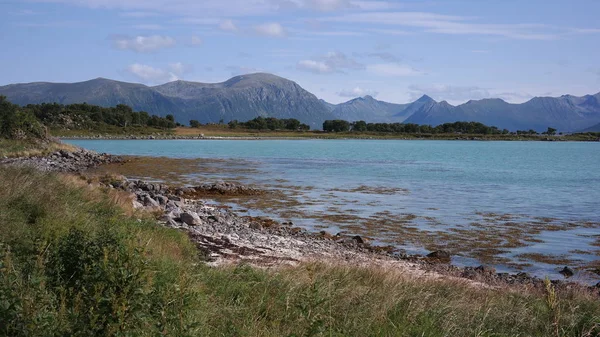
245,97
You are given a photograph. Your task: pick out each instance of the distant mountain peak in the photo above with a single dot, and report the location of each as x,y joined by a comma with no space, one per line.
425,98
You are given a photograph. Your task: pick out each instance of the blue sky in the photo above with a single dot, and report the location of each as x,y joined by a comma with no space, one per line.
452,50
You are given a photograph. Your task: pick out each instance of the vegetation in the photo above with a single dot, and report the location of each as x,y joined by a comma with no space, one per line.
76,261
16,123
338,125
270,123
447,128
31,121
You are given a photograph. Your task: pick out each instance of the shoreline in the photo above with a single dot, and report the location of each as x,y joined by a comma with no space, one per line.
226,238
332,137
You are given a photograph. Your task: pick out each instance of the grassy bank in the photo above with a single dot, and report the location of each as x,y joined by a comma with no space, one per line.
19,148
76,260
224,131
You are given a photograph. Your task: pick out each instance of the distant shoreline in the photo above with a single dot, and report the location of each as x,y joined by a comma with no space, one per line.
333,137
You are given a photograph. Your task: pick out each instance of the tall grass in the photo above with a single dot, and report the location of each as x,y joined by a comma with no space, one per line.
28,148
73,263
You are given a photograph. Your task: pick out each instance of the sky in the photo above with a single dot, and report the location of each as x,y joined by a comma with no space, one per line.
396,51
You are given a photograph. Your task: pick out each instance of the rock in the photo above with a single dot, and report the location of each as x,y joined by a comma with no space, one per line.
224,188
190,218
567,272
162,199
149,202
358,239
485,270
439,255
137,204
326,235
256,226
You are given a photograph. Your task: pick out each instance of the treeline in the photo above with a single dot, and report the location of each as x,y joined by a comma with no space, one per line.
82,116
270,123
456,127
31,120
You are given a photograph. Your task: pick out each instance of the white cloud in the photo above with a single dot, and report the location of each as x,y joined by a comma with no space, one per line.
358,92
328,5
313,66
196,41
179,69
153,75
148,74
330,63
272,29
143,44
449,24
396,32
455,94
514,97
148,27
242,70
24,12
228,26
386,56
137,14
392,70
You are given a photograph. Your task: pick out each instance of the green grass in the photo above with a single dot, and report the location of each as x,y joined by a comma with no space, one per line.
111,130
75,260
27,148
225,131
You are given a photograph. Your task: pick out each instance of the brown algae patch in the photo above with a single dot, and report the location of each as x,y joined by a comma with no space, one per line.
489,238
177,171
373,190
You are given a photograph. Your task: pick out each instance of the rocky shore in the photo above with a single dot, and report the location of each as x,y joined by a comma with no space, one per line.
64,161
224,237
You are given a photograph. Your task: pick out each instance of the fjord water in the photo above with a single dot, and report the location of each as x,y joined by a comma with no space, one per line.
450,181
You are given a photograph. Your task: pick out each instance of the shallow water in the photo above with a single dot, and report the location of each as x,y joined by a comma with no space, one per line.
460,188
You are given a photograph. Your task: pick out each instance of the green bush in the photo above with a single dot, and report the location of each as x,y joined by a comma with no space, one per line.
16,123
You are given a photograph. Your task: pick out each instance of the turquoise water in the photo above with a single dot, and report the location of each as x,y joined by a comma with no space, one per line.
451,181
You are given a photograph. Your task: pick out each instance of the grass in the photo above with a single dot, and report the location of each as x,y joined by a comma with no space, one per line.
19,148
72,262
225,131
111,130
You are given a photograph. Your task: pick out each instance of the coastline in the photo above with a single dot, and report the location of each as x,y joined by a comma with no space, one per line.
329,136
227,238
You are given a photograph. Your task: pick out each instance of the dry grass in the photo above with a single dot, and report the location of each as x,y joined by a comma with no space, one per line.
175,294
17,148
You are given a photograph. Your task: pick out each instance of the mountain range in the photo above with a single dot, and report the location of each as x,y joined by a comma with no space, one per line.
248,96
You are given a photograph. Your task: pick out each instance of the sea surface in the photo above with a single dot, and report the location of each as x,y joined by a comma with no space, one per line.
417,194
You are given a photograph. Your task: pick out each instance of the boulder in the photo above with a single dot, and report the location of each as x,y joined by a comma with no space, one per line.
485,270
439,255
162,199
358,239
190,218
567,272
149,202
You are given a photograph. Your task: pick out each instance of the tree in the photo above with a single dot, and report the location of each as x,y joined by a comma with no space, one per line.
194,123
551,131
359,126
170,118
233,124
336,125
